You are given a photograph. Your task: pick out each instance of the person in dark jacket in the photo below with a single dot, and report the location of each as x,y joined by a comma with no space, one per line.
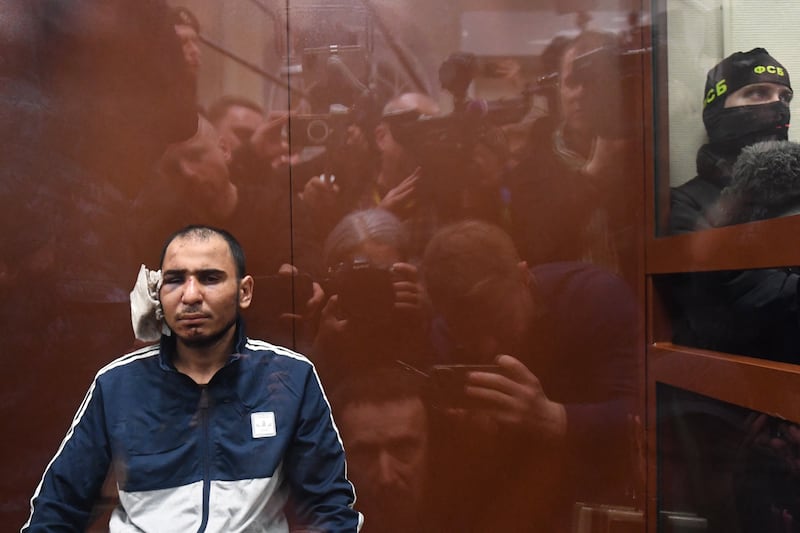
546,423
207,431
746,100
571,196
199,182
747,312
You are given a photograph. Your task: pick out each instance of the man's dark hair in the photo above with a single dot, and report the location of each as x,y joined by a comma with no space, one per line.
205,232
220,106
377,386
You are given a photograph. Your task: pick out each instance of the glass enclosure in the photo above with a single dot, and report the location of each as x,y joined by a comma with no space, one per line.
476,218
723,308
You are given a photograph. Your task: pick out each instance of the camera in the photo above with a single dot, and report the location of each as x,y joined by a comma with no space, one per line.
443,146
318,130
366,292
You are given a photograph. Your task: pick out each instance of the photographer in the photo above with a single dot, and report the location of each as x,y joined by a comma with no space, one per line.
198,183
549,425
377,311
577,157
390,181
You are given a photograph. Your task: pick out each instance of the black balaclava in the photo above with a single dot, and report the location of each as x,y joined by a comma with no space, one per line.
730,129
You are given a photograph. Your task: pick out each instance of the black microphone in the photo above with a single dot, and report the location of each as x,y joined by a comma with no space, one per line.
765,184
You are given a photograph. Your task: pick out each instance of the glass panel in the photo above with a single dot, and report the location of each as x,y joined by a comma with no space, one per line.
723,467
439,203
745,312
520,124
702,119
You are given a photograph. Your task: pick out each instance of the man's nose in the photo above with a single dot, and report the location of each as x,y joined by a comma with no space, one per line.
191,49
187,169
191,292
387,469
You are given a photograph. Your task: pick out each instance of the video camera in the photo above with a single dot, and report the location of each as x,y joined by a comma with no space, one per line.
443,145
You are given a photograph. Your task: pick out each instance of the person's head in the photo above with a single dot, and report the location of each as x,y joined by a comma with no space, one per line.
384,426
746,99
204,284
394,158
236,119
477,283
583,61
360,253
374,235
197,168
187,28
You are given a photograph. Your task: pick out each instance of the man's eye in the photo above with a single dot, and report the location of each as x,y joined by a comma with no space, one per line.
171,281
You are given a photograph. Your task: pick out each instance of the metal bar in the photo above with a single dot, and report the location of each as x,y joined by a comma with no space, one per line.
260,5
398,52
254,68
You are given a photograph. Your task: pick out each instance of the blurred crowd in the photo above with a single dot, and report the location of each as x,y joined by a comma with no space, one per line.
463,289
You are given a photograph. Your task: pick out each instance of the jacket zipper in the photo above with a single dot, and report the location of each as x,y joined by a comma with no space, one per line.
205,450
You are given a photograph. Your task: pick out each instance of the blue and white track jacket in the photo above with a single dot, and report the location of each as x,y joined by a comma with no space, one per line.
255,450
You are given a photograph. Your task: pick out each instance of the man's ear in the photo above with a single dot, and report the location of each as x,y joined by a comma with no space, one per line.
246,292
524,272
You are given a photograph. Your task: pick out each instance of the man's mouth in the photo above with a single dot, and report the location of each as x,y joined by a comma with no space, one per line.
191,317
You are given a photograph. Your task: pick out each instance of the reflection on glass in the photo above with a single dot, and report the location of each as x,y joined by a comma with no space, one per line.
336,141
723,467
544,409
713,59
745,312
747,99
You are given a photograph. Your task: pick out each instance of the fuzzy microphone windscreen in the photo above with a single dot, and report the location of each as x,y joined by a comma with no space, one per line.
765,184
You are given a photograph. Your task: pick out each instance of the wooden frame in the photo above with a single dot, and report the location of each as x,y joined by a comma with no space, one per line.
756,384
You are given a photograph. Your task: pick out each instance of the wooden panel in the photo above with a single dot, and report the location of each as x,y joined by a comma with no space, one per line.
763,244
757,384
765,386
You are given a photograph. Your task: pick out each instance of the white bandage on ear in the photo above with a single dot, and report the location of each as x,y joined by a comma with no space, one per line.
146,313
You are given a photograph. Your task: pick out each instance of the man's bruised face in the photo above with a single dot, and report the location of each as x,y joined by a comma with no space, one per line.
200,293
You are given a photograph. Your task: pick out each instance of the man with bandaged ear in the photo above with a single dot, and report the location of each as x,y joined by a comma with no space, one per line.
746,172
208,430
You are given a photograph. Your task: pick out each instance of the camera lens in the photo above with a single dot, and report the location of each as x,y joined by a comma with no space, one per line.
317,131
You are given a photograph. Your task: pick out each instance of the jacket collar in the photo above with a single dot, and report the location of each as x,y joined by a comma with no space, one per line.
715,165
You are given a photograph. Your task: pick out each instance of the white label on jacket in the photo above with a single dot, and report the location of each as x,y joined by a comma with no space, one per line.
263,424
